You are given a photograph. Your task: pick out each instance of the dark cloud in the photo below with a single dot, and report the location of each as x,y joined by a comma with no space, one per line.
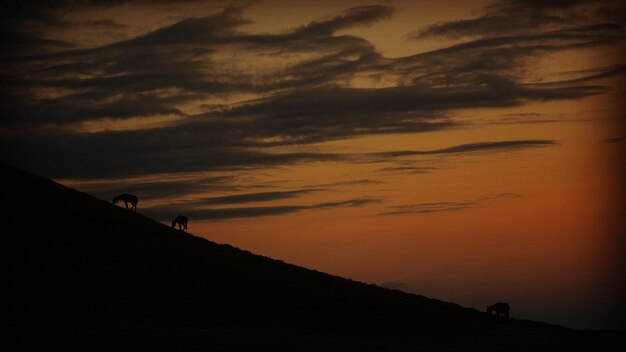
213,29
551,4
360,15
330,103
615,71
436,207
133,154
502,58
51,10
406,170
127,78
178,188
105,24
471,148
14,41
364,181
170,150
255,197
487,25
402,165
166,212
25,25
581,35
316,115
522,118
193,185
159,189
519,16
299,102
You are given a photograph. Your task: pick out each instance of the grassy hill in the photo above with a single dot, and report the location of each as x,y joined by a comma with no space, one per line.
86,274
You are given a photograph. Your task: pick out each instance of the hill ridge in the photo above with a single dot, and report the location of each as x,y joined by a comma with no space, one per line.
82,270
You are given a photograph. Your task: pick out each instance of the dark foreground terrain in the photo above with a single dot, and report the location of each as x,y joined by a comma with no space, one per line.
85,274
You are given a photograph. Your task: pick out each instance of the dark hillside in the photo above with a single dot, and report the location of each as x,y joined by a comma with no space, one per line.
83,273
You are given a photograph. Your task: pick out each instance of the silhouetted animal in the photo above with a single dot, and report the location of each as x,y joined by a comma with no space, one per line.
181,221
127,198
499,308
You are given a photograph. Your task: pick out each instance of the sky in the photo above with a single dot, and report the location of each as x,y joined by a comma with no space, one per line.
471,152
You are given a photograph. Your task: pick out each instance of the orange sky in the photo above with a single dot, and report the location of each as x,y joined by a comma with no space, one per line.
550,241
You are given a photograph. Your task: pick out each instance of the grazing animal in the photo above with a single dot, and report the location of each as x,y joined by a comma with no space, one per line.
181,221
499,308
127,198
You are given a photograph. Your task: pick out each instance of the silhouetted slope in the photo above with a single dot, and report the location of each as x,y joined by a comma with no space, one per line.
84,273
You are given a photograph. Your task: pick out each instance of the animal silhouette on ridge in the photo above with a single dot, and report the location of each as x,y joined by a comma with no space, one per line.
181,221
500,308
127,198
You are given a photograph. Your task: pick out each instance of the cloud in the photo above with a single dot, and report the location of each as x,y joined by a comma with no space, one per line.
364,181
114,154
614,71
171,150
166,212
181,186
131,78
303,95
26,25
519,16
404,166
165,187
504,60
360,15
321,114
255,197
470,148
436,207
406,169
523,118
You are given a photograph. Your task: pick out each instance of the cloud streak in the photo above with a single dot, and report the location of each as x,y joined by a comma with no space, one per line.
437,207
516,16
165,187
474,147
164,213
304,94
254,197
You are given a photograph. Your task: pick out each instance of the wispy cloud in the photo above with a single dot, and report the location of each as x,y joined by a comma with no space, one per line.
167,212
165,187
406,169
436,207
254,197
303,97
357,182
472,148
518,16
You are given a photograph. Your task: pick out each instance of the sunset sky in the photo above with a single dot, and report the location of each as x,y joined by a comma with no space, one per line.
471,152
